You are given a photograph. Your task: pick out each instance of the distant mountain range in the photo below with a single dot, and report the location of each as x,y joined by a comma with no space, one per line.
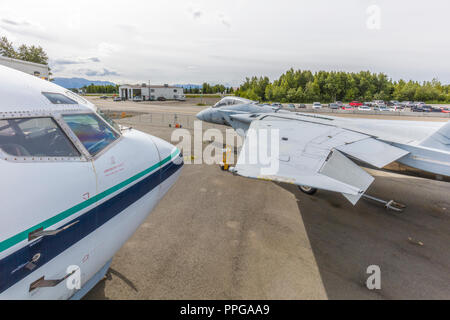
77,83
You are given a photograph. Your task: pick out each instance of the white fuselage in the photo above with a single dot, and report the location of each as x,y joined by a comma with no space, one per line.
92,202
47,190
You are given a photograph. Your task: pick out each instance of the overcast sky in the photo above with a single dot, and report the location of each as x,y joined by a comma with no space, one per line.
182,41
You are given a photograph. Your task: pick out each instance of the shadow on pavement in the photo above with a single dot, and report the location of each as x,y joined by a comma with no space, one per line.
346,239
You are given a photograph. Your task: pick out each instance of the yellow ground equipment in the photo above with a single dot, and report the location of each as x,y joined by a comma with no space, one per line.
226,156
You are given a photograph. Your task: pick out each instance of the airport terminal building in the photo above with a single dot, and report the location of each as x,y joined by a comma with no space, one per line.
39,70
128,92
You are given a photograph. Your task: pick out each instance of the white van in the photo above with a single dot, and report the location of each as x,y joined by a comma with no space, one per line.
317,105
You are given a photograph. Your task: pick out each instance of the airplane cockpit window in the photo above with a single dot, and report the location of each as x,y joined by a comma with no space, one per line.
105,117
58,98
231,101
93,133
221,103
35,137
76,97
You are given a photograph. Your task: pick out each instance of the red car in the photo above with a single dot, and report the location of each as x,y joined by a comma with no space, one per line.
347,108
355,104
445,110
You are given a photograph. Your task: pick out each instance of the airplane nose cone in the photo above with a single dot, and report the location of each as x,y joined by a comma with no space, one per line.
204,115
167,151
171,163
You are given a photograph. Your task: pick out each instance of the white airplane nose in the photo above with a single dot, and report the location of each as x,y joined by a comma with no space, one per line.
166,150
171,162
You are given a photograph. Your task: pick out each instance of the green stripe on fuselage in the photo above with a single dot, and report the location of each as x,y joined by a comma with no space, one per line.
8,243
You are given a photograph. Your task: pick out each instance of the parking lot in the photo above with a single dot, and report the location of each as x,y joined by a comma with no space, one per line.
191,107
217,236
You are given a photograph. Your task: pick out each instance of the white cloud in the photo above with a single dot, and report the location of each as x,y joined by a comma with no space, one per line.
22,27
106,49
141,41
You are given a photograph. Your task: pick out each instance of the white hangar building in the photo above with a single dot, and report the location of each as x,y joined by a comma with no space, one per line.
129,92
39,70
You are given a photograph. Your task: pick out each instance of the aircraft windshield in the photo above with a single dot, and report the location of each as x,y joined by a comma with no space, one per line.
35,137
221,103
58,98
76,97
231,101
93,133
109,120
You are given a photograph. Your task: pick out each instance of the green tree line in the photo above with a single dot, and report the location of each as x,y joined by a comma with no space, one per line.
92,88
209,89
328,86
23,52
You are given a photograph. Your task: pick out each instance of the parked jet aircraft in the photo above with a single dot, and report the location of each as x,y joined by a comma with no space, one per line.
235,104
74,187
320,151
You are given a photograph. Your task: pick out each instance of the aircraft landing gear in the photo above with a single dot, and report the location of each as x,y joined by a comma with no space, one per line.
389,205
307,190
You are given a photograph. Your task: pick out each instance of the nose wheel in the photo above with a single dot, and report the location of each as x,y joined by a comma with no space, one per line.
307,190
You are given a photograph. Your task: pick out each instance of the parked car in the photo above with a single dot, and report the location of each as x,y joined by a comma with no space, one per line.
104,97
291,106
395,108
317,105
161,99
138,99
348,108
421,108
379,103
445,110
436,109
381,108
355,104
364,108
339,103
393,103
117,99
405,104
410,104
333,106
302,106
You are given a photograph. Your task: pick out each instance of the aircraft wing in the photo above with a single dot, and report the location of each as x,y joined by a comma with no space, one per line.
240,121
312,154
